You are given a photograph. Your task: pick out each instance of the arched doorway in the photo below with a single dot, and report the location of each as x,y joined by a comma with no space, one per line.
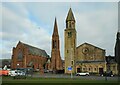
78,70
100,70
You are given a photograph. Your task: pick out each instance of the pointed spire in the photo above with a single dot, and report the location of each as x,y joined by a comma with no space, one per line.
70,16
55,32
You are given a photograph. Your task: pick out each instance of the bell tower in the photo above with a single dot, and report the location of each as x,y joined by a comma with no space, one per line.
70,42
56,62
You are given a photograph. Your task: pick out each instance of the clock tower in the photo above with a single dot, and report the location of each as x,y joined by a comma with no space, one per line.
70,42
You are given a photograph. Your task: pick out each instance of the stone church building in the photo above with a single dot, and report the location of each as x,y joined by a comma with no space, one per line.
84,58
90,58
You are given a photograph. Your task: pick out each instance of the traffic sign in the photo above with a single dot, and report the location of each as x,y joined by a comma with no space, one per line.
69,68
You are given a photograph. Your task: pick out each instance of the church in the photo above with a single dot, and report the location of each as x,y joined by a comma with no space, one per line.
27,56
84,58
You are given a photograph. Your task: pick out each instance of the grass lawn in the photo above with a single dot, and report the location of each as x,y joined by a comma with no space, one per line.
53,80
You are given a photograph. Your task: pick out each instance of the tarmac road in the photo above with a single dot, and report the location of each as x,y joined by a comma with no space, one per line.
91,77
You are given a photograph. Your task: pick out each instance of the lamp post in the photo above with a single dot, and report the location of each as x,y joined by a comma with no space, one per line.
105,71
18,65
71,64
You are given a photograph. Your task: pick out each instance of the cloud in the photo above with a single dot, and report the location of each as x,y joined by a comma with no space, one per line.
33,23
99,28
16,27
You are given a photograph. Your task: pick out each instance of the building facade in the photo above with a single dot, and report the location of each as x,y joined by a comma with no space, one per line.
111,64
26,56
117,52
117,47
56,62
90,59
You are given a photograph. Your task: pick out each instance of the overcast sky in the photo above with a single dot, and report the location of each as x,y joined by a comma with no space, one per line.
33,22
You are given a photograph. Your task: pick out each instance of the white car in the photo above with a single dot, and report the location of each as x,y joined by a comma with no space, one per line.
83,74
12,73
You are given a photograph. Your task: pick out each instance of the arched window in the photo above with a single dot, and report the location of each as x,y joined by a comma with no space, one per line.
69,34
53,44
20,55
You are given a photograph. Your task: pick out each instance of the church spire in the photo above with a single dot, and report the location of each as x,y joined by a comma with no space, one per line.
70,16
55,32
56,62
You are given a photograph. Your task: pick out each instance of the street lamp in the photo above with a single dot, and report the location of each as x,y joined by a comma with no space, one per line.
18,65
71,64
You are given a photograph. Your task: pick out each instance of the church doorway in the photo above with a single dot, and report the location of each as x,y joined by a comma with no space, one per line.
78,70
100,70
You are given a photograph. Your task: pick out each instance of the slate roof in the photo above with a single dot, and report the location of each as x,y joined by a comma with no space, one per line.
36,51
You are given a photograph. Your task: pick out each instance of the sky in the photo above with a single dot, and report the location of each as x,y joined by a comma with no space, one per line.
33,22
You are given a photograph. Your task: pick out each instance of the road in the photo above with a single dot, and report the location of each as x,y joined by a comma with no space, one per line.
91,77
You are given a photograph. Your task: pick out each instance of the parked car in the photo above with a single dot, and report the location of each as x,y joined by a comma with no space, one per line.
19,74
26,70
12,72
46,71
108,73
83,74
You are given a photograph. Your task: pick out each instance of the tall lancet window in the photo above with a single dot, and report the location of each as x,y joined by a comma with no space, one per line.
20,56
55,44
73,25
70,24
66,24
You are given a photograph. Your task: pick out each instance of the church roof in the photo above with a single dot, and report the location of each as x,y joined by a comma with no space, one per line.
35,51
55,31
70,16
90,45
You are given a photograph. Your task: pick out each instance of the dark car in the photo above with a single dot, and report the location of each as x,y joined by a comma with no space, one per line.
108,73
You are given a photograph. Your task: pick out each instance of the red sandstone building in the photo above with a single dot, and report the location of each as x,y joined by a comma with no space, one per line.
25,56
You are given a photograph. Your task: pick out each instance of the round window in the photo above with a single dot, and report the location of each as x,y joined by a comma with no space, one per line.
85,50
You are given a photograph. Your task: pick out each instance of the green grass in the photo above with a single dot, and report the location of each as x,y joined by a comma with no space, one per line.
52,80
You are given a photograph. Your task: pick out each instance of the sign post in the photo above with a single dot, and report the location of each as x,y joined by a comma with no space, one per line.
70,69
